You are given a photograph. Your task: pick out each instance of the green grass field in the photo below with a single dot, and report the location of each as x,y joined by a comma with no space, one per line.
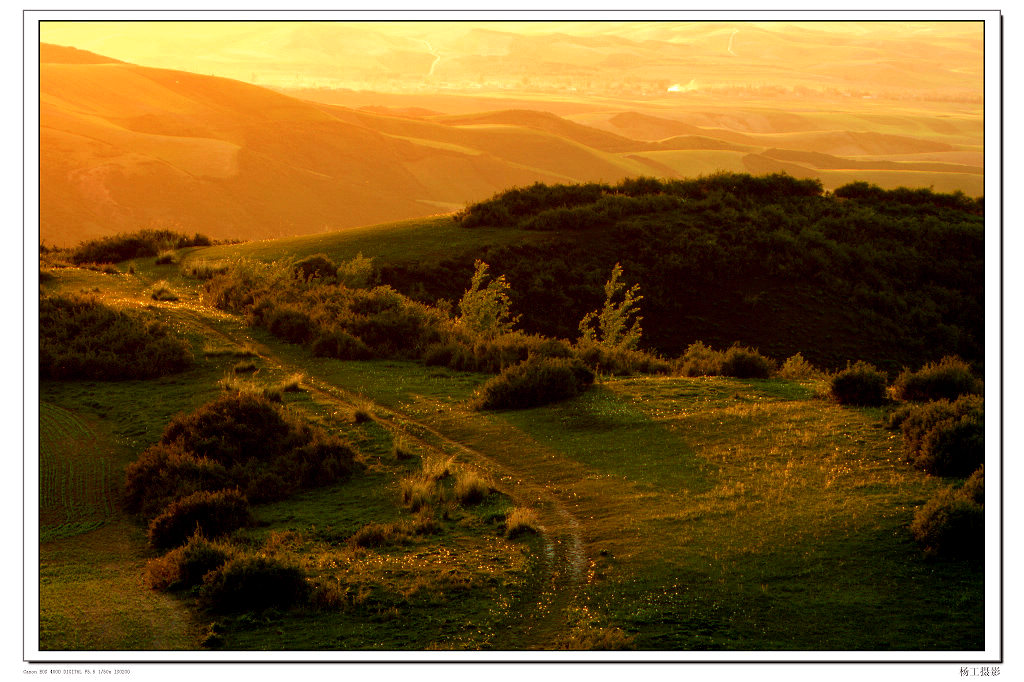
674,513
421,239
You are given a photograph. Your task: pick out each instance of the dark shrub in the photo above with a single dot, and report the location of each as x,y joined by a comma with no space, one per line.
974,487
944,438
266,454
951,524
267,486
209,513
859,384
254,583
291,324
746,363
620,360
185,566
320,460
244,367
318,265
700,360
953,447
380,534
140,244
341,345
165,472
536,381
234,428
450,354
948,379
81,338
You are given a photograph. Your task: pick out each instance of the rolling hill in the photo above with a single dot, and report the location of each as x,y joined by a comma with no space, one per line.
124,147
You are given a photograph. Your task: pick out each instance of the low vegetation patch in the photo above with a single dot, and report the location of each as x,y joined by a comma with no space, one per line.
796,368
184,567
268,453
534,382
947,379
165,472
944,438
81,338
859,384
209,513
521,521
746,363
254,583
144,243
952,523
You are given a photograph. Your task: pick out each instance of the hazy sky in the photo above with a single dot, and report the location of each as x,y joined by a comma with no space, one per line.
397,54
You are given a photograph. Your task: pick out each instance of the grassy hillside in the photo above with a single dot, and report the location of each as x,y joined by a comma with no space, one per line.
836,279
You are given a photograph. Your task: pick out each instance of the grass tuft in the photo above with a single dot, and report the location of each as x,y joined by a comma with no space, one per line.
521,521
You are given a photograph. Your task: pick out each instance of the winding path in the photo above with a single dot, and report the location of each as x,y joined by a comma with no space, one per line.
543,618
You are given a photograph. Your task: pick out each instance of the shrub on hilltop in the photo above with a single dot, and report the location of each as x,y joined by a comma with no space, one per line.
141,244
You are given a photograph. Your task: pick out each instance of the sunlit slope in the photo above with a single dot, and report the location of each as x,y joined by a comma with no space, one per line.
416,240
124,147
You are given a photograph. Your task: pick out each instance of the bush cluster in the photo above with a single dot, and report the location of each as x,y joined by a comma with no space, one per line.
184,567
942,437
165,472
738,361
211,514
947,379
908,265
266,453
796,368
620,361
952,523
596,205
746,363
859,384
211,462
534,382
81,338
339,322
253,583
142,244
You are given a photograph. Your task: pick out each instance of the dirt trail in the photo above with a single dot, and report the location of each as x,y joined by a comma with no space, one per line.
543,619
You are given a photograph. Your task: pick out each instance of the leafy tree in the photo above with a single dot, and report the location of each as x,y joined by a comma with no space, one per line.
613,327
485,307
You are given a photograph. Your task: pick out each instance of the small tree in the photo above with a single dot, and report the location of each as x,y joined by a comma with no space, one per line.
486,308
613,327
